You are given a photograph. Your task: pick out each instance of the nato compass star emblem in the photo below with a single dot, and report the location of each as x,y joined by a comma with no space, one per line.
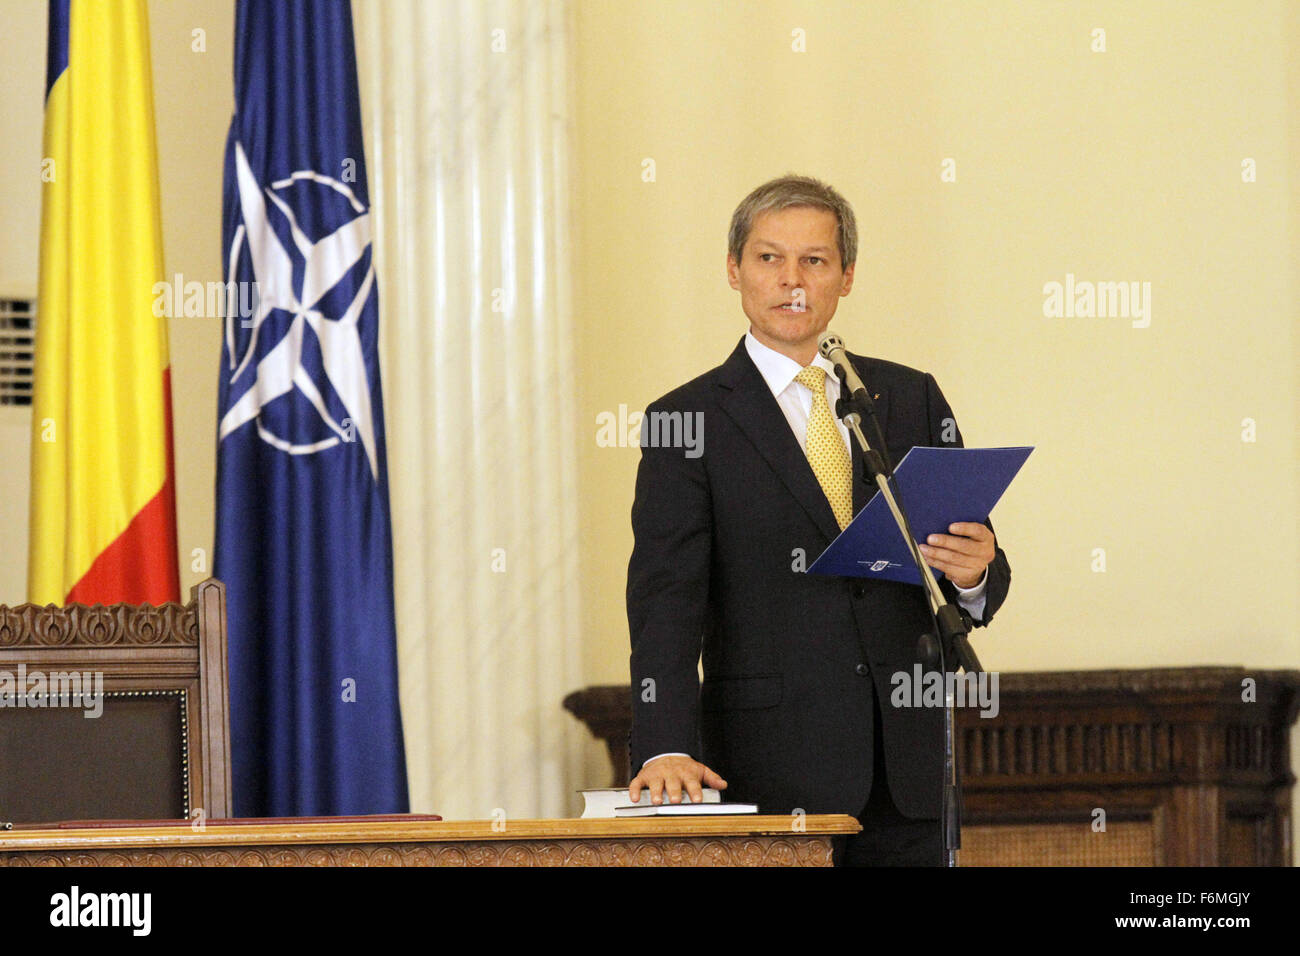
322,264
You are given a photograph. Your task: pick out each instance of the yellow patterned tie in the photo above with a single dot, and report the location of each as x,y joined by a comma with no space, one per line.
826,452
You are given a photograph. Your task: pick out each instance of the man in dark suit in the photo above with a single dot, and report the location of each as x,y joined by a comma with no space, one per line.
795,705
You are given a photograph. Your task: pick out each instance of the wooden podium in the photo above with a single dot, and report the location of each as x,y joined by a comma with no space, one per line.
741,840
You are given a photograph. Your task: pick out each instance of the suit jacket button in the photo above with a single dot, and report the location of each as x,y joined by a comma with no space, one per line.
859,591
862,670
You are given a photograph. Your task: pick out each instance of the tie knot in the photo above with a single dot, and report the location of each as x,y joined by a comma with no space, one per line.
814,376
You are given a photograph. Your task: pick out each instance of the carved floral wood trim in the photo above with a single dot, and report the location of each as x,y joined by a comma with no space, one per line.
808,850
81,626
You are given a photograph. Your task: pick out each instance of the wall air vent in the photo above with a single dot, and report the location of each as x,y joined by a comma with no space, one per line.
17,350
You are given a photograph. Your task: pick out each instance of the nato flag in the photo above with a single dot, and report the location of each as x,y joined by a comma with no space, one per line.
303,537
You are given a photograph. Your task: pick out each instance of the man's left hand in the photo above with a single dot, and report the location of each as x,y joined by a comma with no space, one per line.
962,555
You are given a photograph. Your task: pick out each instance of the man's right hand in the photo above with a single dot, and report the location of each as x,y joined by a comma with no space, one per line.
673,774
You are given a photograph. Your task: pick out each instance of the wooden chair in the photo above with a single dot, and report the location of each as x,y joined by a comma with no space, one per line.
116,712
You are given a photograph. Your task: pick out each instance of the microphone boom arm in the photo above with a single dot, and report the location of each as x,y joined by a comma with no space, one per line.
951,642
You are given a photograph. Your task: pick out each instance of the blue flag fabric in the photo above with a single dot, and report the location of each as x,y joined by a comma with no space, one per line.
303,534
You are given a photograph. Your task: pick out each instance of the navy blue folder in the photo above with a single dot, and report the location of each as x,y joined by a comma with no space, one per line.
937,486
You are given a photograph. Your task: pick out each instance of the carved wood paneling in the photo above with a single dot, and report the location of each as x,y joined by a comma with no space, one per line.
1057,844
745,840
81,626
1199,756
749,851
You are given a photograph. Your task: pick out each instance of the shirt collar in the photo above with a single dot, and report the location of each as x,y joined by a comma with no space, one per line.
779,370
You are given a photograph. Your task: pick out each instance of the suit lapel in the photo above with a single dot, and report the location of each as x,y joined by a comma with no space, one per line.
748,401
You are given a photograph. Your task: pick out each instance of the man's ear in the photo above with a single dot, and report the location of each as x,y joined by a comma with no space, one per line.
733,272
848,281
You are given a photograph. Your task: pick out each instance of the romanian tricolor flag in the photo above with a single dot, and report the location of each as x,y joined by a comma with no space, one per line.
103,508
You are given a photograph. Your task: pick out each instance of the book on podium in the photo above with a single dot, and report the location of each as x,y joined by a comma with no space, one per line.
614,802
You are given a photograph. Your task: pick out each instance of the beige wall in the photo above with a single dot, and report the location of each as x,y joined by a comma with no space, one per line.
22,94
1123,165
193,100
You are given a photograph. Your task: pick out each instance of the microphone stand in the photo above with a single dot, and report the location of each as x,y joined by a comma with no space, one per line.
952,643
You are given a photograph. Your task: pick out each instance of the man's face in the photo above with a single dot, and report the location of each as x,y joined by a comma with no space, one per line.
790,278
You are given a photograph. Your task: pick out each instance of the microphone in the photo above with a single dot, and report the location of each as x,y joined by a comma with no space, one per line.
858,402
832,348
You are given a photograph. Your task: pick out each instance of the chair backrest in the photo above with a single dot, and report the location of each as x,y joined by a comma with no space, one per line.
115,712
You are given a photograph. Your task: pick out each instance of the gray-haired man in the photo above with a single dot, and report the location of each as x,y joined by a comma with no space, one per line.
794,709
